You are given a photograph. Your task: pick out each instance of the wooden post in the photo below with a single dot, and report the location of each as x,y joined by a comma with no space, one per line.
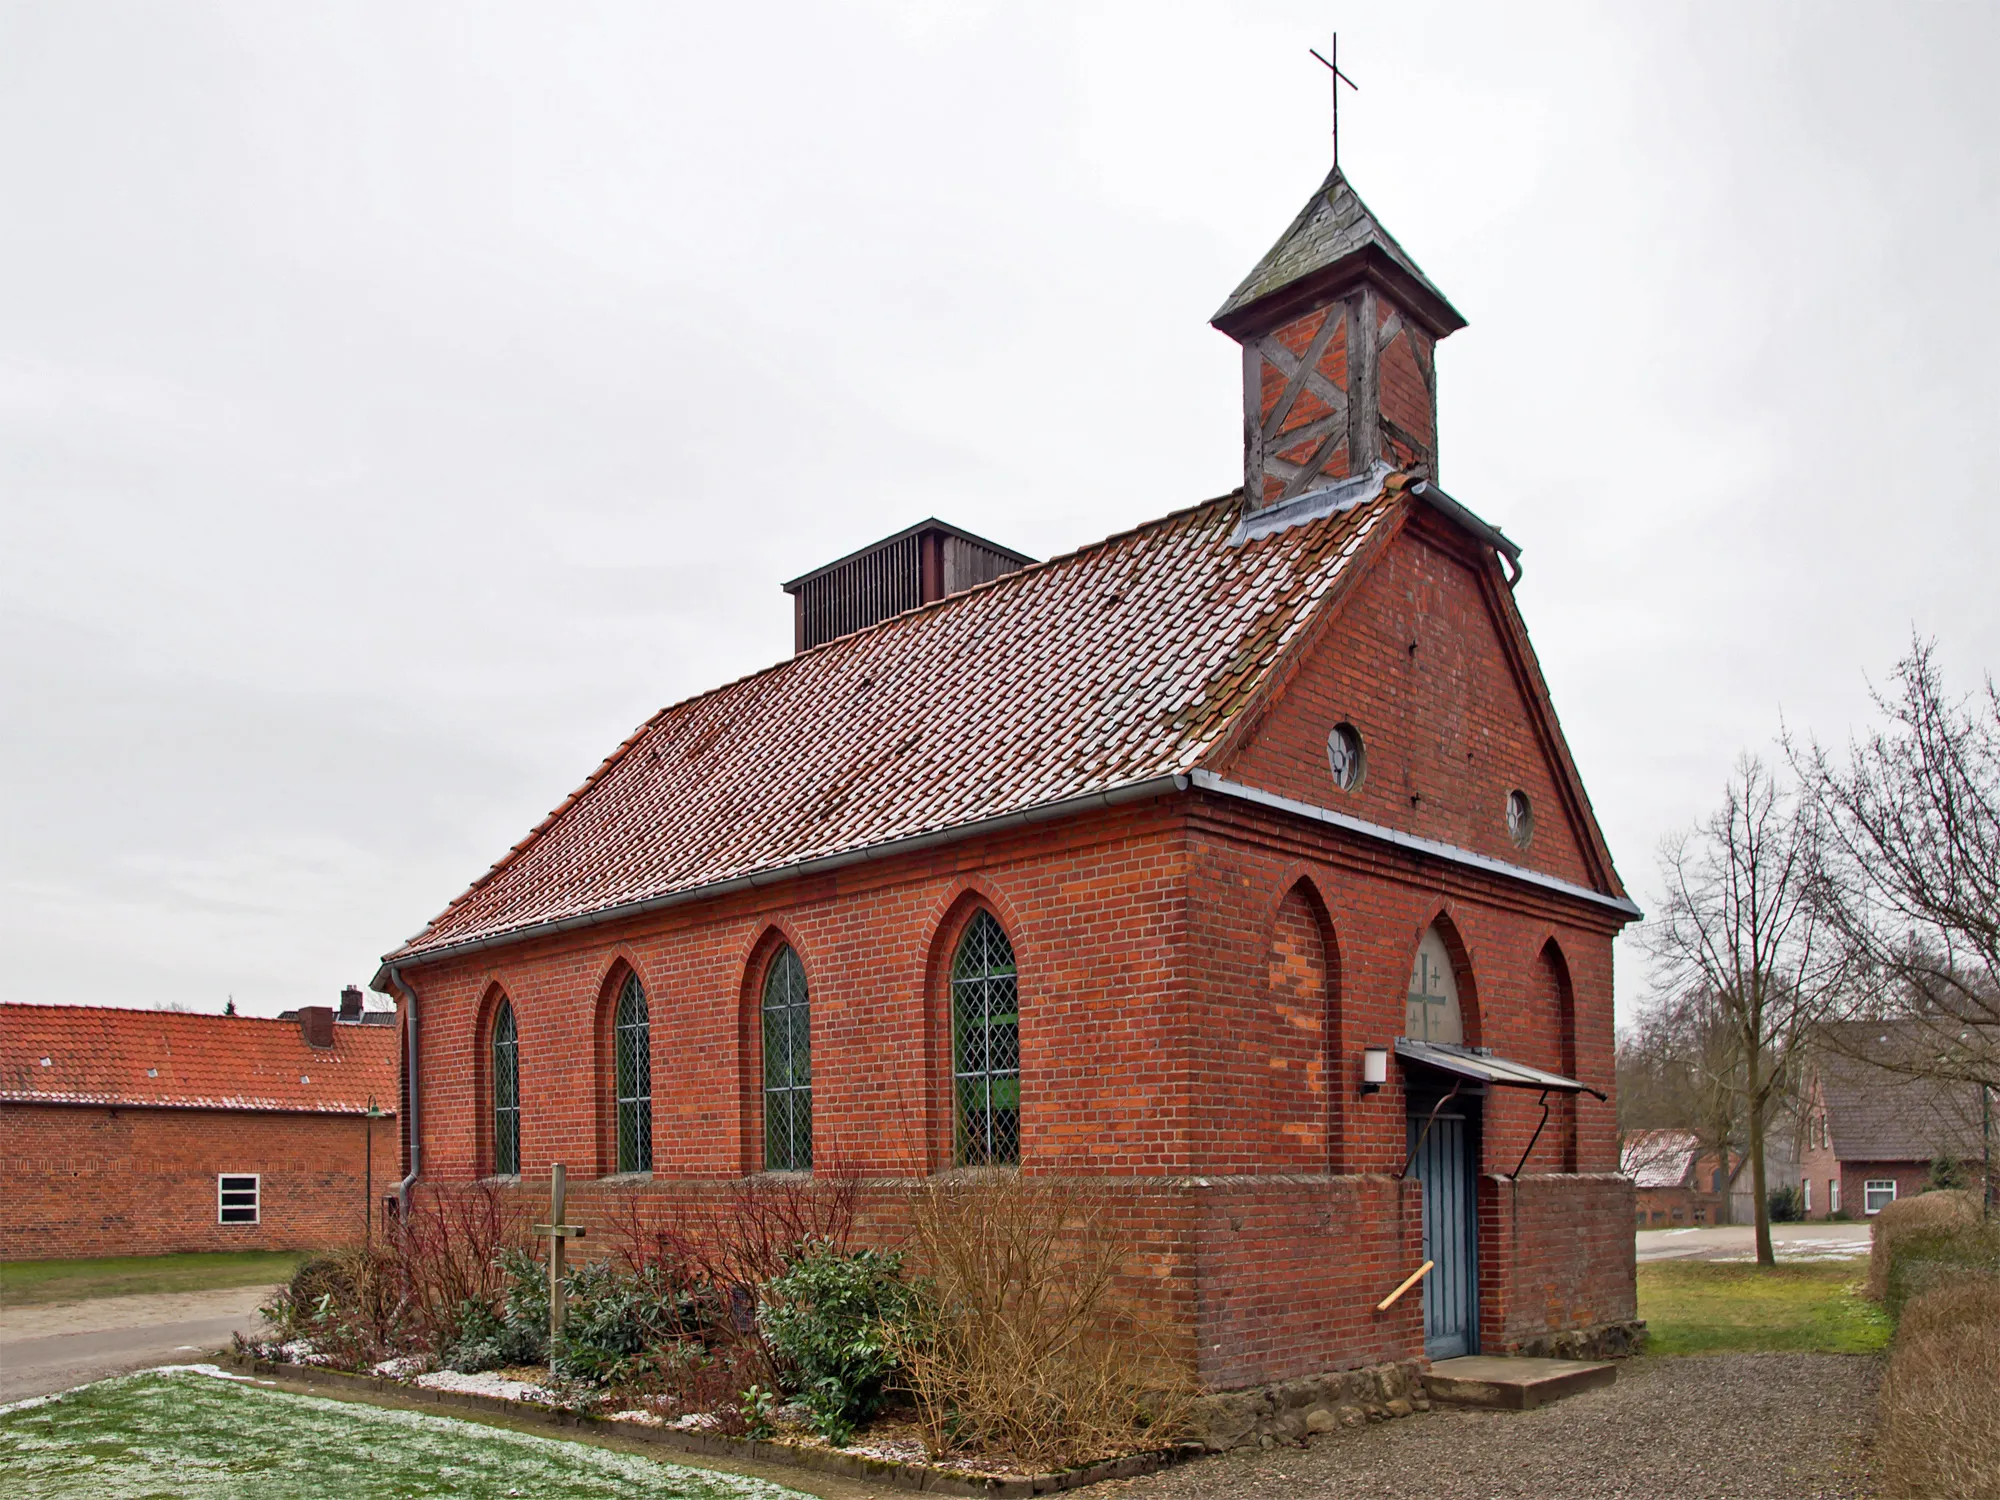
558,1234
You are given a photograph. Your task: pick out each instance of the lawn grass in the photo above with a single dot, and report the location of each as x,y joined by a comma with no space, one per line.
1733,1307
198,1437
24,1282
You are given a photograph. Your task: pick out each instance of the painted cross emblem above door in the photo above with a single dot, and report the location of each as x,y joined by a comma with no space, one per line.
1433,1009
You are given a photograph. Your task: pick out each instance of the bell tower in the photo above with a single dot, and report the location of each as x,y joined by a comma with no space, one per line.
1339,332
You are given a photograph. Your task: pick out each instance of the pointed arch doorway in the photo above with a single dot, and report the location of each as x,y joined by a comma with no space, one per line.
1443,1133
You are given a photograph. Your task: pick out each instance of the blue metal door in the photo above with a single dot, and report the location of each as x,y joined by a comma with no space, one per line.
1442,1160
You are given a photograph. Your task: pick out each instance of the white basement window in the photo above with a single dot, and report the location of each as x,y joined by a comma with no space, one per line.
236,1198
1877,1193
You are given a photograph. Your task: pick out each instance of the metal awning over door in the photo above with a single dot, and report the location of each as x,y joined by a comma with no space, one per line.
1483,1067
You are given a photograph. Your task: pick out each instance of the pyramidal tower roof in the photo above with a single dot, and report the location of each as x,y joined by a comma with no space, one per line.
1335,235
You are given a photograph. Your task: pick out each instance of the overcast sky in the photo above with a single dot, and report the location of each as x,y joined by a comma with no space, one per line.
399,403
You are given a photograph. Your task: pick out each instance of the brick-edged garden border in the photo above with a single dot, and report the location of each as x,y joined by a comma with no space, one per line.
924,1478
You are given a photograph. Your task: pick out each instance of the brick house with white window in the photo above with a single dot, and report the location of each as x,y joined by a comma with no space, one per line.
1236,862
1871,1131
146,1132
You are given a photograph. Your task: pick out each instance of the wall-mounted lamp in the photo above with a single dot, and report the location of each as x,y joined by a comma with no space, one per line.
1374,1069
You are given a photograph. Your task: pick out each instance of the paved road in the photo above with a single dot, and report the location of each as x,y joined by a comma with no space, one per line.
53,1347
1820,1241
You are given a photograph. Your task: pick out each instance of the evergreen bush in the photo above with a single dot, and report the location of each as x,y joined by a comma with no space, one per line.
833,1319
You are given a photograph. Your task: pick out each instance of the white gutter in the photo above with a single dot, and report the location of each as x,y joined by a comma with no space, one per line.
1208,781
389,977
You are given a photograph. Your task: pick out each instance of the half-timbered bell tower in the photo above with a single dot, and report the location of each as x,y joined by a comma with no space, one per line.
1338,328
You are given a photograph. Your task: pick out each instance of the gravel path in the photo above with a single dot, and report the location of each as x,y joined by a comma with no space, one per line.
1727,1426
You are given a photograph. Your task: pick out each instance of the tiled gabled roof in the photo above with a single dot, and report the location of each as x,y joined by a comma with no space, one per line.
1117,664
1657,1158
89,1054
1877,1109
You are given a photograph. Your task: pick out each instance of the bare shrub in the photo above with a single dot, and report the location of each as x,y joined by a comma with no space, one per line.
446,1252
1906,1218
1026,1346
409,1291
1940,1421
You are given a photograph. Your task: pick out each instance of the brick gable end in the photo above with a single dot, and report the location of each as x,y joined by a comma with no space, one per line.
1416,660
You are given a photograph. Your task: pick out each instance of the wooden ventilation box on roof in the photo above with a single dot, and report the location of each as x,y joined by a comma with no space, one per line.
913,567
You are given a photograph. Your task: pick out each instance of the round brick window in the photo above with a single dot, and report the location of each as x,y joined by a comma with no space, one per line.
1345,757
1520,818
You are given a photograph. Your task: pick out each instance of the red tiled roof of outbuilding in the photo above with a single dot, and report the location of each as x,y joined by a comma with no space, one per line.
162,1059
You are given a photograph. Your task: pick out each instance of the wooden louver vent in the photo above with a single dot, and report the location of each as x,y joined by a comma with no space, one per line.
913,567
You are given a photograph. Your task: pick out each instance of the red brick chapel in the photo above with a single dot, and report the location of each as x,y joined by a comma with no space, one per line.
1235,862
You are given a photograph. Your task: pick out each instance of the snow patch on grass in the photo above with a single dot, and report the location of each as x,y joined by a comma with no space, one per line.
184,1432
486,1383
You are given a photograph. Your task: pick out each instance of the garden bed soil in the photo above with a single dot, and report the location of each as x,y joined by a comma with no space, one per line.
970,1476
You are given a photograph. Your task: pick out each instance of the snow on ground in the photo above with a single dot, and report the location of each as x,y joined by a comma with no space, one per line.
487,1383
180,1432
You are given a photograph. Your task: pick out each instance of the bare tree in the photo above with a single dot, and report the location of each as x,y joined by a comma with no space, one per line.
1910,871
1681,1068
1742,923
1911,860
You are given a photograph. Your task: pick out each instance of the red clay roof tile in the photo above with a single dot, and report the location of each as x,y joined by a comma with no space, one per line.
162,1059
1116,664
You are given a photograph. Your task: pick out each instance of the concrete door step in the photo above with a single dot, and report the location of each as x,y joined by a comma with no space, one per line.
1514,1384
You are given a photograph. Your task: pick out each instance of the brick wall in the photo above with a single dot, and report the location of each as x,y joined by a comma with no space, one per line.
1910,1177
1555,1253
86,1181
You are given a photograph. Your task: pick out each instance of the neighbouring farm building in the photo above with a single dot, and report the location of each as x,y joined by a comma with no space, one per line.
1877,1128
147,1132
1236,862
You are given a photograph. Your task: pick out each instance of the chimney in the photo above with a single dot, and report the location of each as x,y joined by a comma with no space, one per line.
1339,329
350,1003
316,1025
913,567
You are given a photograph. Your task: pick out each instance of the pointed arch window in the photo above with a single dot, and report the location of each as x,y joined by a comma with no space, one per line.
788,1104
1434,1014
506,1092
986,1046
632,1051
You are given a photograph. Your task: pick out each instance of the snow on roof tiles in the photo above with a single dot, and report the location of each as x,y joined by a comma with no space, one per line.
1116,664
161,1059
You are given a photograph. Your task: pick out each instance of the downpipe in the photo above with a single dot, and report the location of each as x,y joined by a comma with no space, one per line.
409,998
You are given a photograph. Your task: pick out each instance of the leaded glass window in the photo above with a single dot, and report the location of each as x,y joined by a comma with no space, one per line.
632,1048
506,1093
788,1099
986,1046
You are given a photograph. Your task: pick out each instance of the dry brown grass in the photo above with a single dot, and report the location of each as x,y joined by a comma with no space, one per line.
1940,1426
1909,1217
1027,1348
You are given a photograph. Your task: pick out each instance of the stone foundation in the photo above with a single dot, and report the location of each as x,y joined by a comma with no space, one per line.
1604,1341
1290,1411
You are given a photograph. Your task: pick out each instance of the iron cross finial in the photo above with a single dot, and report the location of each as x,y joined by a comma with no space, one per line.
1332,64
